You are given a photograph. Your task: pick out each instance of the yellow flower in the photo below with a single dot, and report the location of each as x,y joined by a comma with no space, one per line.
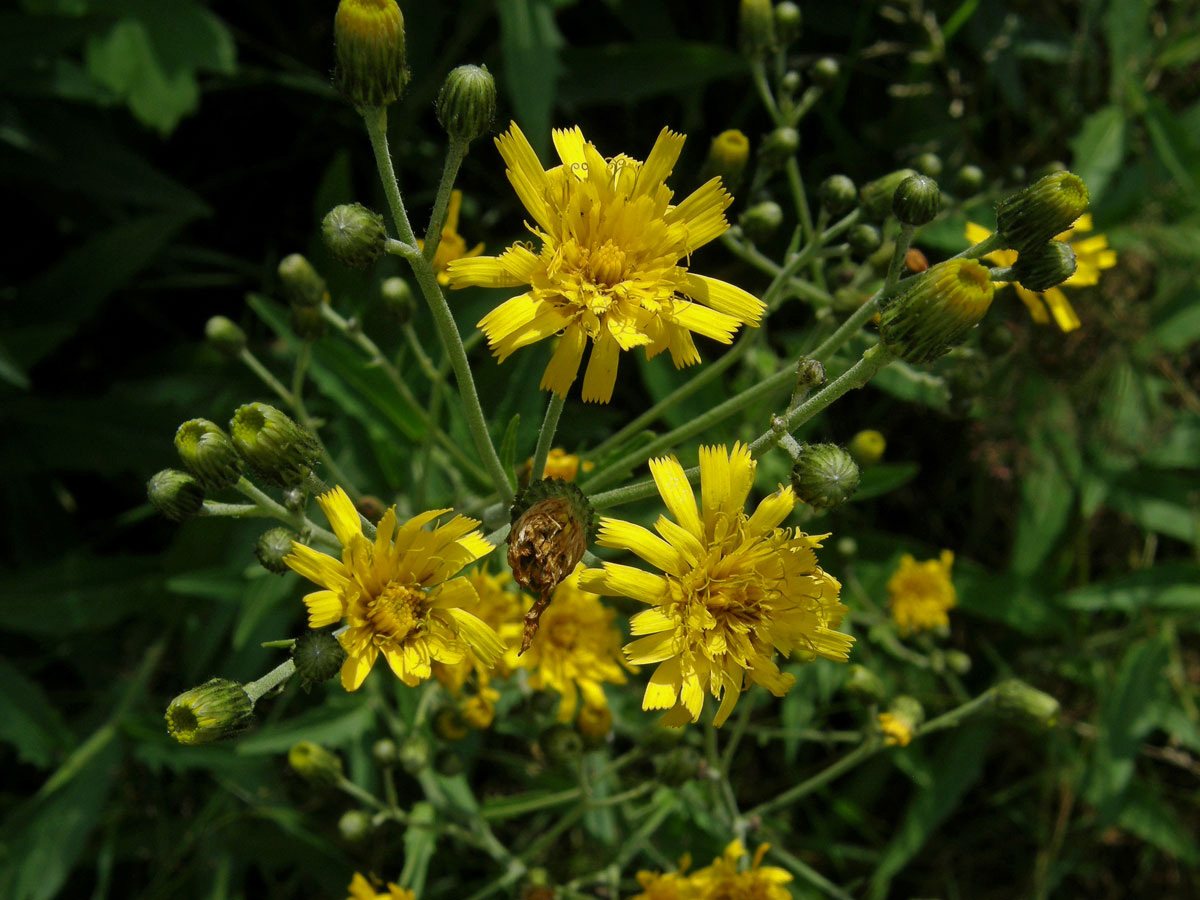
723,880
560,464
734,589
361,889
575,650
895,731
920,593
480,711
500,610
1092,254
609,268
397,593
452,245
667,886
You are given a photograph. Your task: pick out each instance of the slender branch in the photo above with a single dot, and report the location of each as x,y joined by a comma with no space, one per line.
303,357
277,676
437,219
546,436
297,519
265,375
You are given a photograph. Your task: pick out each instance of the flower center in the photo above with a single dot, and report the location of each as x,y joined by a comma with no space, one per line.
397,611
563,634
608,264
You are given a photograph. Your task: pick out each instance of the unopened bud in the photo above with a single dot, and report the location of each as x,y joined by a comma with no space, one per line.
385,752
354,235
958,662
398,300
318,657
838,194
1032,216
314,763
928,164
824,476
934,314
448,724
917,200
354,826
761,221
779,146
727,158
215,710
969,179
864,684
272,546
756,28
301,284
369,43
824,72
903,718
414,754
788,20
790,83
876,196
175,494
280,451
1026,704
561,744
867,447
307,323
678,766
207,452
1046,266
864,239
225,335
467,102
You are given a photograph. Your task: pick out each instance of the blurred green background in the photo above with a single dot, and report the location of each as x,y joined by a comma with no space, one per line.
159,158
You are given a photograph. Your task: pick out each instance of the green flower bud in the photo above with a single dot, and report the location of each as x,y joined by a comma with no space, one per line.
761,221
727,158
1034,215
448,724
449,763
864,239
928,164
354,235
905,715
779,146
969,179
867,447
958,662
207,452
318,657
678,766
414,754
864,684
354,826
314,763
824,476
368,40
175,494
1026,704
934,314
790,83
213,711
838,194
295,499
398,300
562,744
385,752
280,451
756,28
847,547
302,286
307,323
272,546
1046,266
824,72
225,335
467,102
917,200
876,196
788,20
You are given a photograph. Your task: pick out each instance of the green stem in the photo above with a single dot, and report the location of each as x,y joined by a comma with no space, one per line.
277,676
546,436
267,378
437,219
859,754
296,520
805,871
800,200
234,510
755,258
532,804
303,357
376,122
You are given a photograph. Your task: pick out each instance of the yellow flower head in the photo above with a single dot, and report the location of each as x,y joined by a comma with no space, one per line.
733,589
397,593
452,245
560,464
500,610
896,732
361,889
728,879
921,593
1092,255
576,649
609,268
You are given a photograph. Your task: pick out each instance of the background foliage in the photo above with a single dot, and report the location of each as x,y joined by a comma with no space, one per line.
161,157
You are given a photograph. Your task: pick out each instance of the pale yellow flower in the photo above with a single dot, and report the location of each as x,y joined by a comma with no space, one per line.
921,593
500,610
728,879
361,889
560,464
452,245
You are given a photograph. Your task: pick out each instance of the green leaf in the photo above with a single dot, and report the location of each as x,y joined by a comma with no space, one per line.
420,841
1168,586
1159,501
904,382
28,721
1146,815
1176,147
1127,28
1021,603
531,42
508,449
1099,149
883,478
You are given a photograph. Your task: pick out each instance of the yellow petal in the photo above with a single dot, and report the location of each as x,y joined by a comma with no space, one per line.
700,217
510,317
660,162
724,298
317,567
569,143
676,492
714,480
663,688
563,367
773,510
1033,302
684,542
511,268
601,372
455,593
653,549
616,580
705,321
652,649
546,322
324,608
650,621
1061,309
732,690
478,634
343,517
526,176
451,223
356,668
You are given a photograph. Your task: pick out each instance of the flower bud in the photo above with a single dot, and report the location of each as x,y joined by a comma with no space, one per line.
307,323
1046,266
272,546
280,451
678,766
847,546
824,72
1026,703
295,499
1034,215
301,284
788,20
864,684
213,711
917,200
824,476
969,179
864,239
314,763
449,763
594,723
867,447
727,158
756,28
958,662
478,712
761,220
318,657
838,194
385,752
779,146
354,826
448,724
414,754
875,198
354,235
368,40
225,335
903,717
935,313
467,103
561,744
175,494
790,83
398,300
207,452
928,164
